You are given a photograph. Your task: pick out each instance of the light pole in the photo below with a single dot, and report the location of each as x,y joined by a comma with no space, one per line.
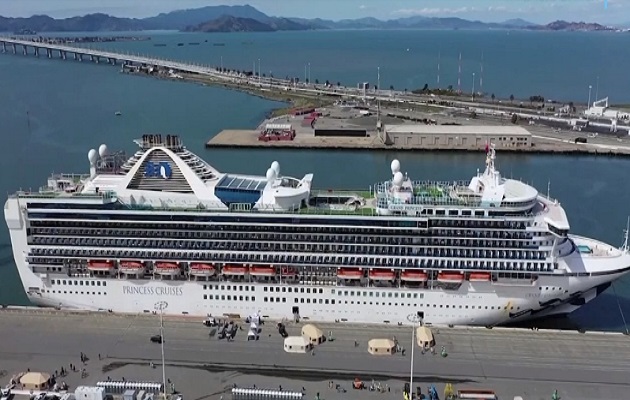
161,306
589,96
597,90
259,70
309,73
414,319
221,63
473,88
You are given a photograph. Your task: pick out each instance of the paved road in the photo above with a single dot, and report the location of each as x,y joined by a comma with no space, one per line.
574,363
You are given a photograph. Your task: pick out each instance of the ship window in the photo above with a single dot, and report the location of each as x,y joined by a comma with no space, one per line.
64,281
284,299
205,287
229,297
246,298
295,300
264,289
253,298
93,283
302,300
271,299
326,301
332,301
264,299
52,282
321,291
240,288
222,297
240,298
284,290
104,283
205,297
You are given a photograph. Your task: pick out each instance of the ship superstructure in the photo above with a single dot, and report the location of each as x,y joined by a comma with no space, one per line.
164,225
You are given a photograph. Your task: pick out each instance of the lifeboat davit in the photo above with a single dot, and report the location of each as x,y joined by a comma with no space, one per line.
167,268
201,269
451,277
262,270
100,265
234,270
382,275
350,273
479,277
414,276
131,267
289,271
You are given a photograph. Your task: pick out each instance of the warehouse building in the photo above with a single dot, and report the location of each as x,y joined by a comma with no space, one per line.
456,137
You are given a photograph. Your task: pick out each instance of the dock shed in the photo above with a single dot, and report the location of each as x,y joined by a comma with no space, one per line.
35,381
313,334
381,347
424,337
297,344
457,137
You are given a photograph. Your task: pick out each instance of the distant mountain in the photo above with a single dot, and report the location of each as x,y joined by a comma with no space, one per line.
87,23
573,26
213,18
518,23
228,23
184,18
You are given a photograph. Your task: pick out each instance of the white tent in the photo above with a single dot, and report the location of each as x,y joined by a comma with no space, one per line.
297,344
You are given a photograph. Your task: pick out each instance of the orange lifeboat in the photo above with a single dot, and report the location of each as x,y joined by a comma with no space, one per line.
262,270
382,275
131,267
349,273
167,268
479,277
201,269
289,271
414,276
450,277
100,265
234,270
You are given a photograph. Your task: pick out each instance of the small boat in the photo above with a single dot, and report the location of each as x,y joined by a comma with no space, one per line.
234,270
450,277
118,113
479,277
160,45
180,44
131,267
100,265
414,276
262,270
349,273
193,44
167,268
201,269
382,275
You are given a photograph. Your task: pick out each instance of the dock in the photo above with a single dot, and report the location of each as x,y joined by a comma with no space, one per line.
401,134
513,362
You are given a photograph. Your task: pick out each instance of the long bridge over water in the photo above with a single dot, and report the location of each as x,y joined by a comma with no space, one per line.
50,50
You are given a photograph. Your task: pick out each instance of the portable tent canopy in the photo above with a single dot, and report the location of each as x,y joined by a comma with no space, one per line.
424,337
35,381
297,344
381,347
313,334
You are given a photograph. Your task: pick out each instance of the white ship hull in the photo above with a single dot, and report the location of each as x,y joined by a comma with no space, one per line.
474,303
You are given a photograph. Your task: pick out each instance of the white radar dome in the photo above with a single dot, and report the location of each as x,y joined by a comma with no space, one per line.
102,150
276,167
92,156
395,166
398,178
271,175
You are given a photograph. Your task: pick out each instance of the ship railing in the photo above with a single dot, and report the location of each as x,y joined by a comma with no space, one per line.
76,178
367,194
46,193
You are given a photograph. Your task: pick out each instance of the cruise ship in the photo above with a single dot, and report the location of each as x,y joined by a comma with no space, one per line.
163,229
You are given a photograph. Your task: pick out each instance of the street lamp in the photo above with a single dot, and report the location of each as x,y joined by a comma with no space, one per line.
161,306
597,90
414,319
473,88
589,95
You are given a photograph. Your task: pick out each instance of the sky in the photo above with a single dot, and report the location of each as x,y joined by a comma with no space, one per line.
538,11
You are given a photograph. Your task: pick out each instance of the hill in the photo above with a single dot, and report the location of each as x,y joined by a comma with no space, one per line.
228,23
213,18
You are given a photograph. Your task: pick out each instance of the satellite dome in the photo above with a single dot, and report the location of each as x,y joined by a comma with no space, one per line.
276,167
271,174
398,178
395,166
92,156
102,150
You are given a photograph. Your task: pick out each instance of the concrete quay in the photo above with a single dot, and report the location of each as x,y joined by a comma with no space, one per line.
512,362
544,139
